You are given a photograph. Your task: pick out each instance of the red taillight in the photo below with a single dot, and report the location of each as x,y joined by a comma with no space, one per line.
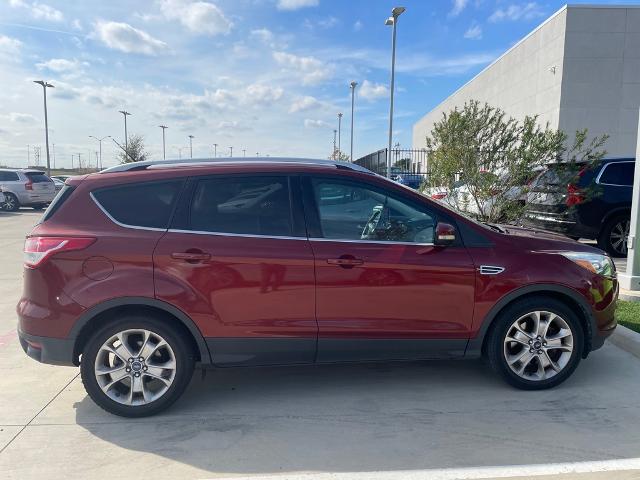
438,196
28,185
38,249
574,196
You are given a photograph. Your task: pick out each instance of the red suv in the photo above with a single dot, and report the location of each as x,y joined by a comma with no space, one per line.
140,271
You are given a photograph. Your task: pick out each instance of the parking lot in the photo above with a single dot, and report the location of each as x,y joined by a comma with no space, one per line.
420,420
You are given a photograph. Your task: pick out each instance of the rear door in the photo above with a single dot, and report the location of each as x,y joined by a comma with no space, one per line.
238,262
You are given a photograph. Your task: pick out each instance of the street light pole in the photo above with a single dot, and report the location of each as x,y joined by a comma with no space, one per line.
353,94
393,21
164,151
46,85
244,152
100,144
334,143
215,150
339,130
126,138
231,152
191,137
630,279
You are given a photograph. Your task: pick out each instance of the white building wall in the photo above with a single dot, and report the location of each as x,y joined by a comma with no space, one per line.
601,82
579,69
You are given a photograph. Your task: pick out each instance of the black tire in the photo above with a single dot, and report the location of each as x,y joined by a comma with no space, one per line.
11,203
501,326
177,340
618,223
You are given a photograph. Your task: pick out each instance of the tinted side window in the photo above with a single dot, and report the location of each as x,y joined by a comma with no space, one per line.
9,177
618,174
242,205
141,204
351,211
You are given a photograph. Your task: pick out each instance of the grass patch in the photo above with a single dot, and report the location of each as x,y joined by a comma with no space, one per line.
628,314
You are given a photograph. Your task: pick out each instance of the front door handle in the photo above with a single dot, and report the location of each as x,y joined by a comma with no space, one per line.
191,257
345,261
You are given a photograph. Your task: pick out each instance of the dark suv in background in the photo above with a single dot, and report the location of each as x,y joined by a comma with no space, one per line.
139,271
605,217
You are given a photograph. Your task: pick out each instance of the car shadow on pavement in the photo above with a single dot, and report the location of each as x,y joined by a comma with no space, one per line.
384,417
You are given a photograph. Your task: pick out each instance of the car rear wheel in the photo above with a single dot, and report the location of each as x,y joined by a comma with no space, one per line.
11,203
136,366
535,343
615,235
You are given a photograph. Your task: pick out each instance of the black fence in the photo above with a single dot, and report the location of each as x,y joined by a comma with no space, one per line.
407,166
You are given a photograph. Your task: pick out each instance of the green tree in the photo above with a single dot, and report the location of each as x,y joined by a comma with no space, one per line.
485,159
134,151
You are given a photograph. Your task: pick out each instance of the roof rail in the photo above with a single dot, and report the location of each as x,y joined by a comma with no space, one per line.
143,165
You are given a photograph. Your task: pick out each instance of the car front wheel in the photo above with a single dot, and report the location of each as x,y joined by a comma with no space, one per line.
535,343
136,366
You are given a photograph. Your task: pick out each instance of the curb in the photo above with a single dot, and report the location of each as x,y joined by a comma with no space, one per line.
629,296
627,340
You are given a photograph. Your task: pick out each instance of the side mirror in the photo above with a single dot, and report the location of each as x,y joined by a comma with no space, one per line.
445,234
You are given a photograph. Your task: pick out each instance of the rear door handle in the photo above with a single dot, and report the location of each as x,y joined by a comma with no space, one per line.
191,257
345,261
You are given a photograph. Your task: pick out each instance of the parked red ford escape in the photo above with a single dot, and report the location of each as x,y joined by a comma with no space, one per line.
140,271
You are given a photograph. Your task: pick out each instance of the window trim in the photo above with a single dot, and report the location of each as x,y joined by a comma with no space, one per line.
139,227
190,191
605,168
312,213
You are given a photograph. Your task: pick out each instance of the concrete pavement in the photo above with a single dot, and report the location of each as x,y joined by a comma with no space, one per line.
422,420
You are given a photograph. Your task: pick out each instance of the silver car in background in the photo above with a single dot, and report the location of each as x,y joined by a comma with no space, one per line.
25,188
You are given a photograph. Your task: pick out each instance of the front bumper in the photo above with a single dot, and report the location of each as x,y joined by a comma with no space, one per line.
56,351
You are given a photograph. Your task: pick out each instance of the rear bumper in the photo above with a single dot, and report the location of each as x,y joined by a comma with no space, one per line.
563,223
56,351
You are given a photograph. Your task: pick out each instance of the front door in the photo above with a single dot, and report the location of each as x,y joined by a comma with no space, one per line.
237,262
383,289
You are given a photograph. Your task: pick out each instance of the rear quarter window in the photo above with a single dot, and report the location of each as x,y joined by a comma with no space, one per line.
618,174
147,205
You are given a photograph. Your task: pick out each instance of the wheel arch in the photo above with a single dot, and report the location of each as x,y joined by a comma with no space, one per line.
626,209
476,346
95,316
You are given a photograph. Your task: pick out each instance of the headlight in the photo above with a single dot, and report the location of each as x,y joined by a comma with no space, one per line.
594,262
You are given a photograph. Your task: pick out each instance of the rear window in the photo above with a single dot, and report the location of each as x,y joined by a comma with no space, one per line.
147,204
37,177
618,174
242,205
59,199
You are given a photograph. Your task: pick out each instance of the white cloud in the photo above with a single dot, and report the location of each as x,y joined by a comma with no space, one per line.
296,4
474,32
263,34
357,26
24,118
304,103
39,11
458,7
198,17
259,94
61,65
373,91
124,37
312,70
523,11
310,123
8,44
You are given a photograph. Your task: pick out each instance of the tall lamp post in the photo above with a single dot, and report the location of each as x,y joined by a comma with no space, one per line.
191,137
215,150
353,94
164,151
339,130
231,149
334,144
46,85
393,21
100,146
126,138
630,279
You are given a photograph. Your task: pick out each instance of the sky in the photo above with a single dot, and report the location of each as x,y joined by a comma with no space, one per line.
266,77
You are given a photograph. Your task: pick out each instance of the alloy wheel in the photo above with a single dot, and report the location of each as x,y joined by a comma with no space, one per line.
619,236
10,203
538,345
135,367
